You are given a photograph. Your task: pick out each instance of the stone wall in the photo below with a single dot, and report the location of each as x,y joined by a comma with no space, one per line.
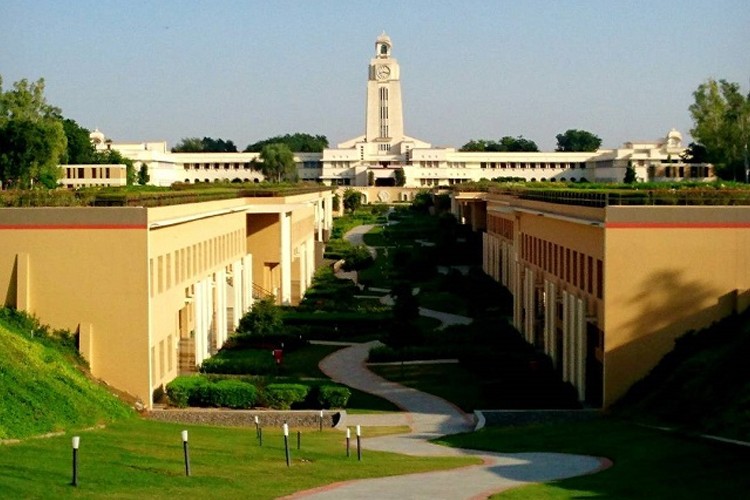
246,418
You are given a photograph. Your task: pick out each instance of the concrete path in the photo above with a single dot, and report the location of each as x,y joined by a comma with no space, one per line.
430,417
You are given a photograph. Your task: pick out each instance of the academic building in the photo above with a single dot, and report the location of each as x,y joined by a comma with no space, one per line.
383,152
605,283
153,291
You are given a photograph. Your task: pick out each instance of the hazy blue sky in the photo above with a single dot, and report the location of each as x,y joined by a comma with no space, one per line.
163,70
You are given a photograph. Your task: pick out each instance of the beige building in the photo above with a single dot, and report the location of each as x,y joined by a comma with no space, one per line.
384,151
605,284
81,176
152,292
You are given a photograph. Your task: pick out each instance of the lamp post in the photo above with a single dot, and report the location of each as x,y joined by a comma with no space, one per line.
187,454
348,440
76,443
321,420
359,444
286,443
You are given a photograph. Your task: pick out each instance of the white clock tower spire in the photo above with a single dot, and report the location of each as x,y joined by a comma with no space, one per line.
384,117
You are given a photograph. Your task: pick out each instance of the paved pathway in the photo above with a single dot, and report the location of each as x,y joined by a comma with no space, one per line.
429,417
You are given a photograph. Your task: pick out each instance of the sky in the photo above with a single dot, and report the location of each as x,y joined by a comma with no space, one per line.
246,70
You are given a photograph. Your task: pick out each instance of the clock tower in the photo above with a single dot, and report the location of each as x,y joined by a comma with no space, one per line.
384,120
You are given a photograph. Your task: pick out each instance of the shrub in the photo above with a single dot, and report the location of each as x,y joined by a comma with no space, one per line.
282,396
333,396
263,318
236,394
199,391
183,391
256,363
290,341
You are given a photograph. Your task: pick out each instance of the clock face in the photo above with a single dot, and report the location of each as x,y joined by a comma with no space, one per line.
383,72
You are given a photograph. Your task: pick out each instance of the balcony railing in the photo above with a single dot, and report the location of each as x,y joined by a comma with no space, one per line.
630,197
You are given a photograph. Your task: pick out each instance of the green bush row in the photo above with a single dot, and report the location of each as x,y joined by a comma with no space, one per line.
228,393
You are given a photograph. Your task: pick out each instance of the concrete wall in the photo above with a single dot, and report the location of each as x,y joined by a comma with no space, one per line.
84,269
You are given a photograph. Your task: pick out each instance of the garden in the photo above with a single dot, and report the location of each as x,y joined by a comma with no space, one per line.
424,258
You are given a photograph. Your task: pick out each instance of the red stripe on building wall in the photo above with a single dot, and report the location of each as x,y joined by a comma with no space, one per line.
677,225
70,226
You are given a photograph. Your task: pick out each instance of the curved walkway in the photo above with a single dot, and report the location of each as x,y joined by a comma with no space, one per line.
429,417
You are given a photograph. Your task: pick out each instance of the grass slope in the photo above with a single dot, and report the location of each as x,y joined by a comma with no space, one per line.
703,385
42,390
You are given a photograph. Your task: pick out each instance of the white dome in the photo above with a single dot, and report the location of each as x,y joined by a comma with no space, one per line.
97,137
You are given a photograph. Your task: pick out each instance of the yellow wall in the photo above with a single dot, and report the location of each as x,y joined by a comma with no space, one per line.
179,256
668,270
87,269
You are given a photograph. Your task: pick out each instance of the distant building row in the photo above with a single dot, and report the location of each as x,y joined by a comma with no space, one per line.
374,157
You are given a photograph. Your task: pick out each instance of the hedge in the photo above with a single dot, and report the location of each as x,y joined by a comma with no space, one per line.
199,391
282,396
333,396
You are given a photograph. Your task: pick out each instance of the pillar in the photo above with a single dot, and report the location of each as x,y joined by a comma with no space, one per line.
238,285
220,282
247,283
285,259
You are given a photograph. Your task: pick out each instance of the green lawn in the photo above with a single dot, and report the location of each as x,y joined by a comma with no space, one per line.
448,381
648,463
374,237
142,459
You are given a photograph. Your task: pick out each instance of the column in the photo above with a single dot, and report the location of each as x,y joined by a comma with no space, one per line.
581,349
238,285
310,260
285,259
247,283
221,307
566,337
517,289
552,321
319,219
199,334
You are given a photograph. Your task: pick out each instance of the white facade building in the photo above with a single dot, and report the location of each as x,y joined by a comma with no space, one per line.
383,152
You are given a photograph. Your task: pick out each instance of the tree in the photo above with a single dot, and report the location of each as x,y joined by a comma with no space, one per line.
629,174
264,318
352,200
205,145
505,144
577,140
32,137
695,153
370,178
298,142
80,150
400,176
277,163
721,115
143,176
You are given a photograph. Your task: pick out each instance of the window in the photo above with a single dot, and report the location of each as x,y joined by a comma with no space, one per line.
575,268
599,279
161,359
170,352
590,271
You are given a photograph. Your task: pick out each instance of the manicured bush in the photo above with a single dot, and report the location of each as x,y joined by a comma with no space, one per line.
333,396
200,391
241,362
291,340
282,396
184,391
236,394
